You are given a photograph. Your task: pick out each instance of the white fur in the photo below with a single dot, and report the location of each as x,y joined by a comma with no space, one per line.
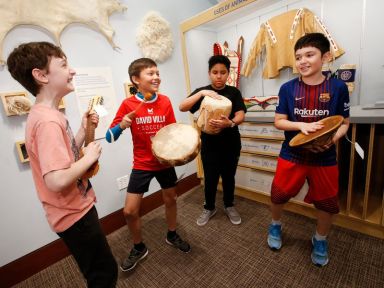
154,37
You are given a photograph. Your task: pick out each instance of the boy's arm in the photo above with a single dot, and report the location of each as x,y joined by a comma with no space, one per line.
60,180
343,129
80,137
282,123
122,121
239,117
188,102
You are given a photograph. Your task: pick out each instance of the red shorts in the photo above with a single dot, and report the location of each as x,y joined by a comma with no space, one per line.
323,182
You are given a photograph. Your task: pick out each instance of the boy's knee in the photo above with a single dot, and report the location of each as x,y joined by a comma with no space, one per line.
278,196
170,199
130,213
329,205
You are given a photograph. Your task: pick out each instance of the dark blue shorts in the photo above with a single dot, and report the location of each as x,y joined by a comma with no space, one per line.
140,179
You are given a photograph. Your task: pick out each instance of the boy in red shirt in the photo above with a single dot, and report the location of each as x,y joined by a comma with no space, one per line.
144,120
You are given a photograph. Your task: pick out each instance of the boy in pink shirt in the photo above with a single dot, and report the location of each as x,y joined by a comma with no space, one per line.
53,150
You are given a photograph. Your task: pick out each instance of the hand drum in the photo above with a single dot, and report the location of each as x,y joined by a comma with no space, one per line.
319,137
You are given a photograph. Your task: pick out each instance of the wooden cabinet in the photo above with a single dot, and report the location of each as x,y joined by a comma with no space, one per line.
361,182
261,145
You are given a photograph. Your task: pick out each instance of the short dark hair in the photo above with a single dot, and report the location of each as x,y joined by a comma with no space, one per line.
219,59
28,56
317,40
139,65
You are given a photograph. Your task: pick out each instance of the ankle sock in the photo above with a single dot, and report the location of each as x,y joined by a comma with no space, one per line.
139,246
171,234
319,237
276,222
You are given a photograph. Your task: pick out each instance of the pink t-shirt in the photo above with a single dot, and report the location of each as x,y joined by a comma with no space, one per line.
51,146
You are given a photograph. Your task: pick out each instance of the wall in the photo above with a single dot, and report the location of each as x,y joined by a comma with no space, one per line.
23,227
353,24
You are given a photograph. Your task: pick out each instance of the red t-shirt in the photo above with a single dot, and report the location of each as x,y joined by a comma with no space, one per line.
150,118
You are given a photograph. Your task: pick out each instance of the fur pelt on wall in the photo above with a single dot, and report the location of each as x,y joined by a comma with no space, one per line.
154,37
56,15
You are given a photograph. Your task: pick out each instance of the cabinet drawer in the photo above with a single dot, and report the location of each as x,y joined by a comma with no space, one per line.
258,161
261,146
261,181
255,180
259,130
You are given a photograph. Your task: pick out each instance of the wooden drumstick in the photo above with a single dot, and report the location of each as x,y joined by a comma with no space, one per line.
132,114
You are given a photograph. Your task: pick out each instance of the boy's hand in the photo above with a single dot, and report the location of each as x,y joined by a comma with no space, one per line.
126,122
93,116
219,124
92,151
325,145
210,93
307,128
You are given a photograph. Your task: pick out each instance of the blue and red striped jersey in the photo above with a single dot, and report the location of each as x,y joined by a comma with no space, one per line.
311,103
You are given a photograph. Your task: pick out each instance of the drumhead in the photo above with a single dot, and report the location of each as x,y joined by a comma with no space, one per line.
176,144
330,125
212,108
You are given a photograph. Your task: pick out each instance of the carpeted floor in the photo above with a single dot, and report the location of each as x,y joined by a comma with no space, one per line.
224,255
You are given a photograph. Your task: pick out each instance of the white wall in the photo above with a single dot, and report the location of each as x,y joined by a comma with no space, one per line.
22,222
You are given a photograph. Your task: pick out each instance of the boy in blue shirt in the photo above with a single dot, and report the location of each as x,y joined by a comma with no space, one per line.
303,102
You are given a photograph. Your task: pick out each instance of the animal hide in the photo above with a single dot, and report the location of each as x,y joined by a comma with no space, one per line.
154,37
55,15
18,105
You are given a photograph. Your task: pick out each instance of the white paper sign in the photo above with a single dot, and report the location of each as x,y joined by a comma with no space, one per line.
96,81
359,150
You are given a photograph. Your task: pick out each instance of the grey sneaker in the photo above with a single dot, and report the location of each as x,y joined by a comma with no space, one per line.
134,257
205,216
178,243
233,215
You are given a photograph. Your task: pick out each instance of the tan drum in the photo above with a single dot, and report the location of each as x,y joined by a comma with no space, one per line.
320,137
176,144
212,108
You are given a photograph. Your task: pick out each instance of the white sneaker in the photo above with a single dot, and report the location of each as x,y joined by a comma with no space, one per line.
233,215
205,216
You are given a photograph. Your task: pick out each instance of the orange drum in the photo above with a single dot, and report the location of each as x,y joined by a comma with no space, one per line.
176,144
319,137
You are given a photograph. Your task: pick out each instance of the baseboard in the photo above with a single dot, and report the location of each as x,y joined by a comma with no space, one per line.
32,263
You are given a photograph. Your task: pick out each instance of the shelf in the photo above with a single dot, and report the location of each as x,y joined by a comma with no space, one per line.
257,161
261,146
257,168
260,131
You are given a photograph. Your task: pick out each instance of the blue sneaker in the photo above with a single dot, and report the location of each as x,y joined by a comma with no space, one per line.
320,252
274,237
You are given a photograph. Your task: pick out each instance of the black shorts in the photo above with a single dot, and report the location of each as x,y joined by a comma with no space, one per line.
140,179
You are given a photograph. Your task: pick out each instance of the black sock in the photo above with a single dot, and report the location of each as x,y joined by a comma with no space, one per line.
139,246
171,234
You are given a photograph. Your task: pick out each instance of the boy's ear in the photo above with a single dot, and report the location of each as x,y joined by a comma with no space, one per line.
135,80
327,57
40,76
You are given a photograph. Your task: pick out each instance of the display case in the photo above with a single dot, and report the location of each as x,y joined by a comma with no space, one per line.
361,180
